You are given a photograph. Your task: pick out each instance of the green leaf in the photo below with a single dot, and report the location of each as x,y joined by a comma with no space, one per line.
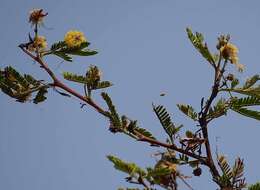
14,76
132,128
158,171
61,50
92,79
114,117
144,132
58,45
245,101
82,53
246,112
252,91
103,84
227,175
63,56
188,110
130,168
40,97
31,80
75,78
165,121
17,86
254,186
197,41
224,166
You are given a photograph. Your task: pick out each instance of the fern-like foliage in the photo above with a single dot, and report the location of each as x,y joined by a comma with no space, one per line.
61,50
239,105
252,91
133,128
58,45
63,55
103,84
92,79
40,96
166,122
246,112
237,174
250,87
245,101
130,168
115,120
225,179
254,186
197,40
231,177
188,110
75,78
21,87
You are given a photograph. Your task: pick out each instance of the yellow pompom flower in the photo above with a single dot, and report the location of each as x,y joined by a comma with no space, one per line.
39,44
229,51
74,38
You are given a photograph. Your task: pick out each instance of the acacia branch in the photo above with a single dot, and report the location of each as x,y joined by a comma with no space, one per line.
203,119
58,83
89,101
170,146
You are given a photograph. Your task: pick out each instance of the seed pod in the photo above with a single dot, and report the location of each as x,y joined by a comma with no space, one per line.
197,171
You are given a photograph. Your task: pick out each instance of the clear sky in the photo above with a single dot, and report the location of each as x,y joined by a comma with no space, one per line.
144,51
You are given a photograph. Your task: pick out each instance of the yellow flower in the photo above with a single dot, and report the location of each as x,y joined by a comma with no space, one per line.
36,16
74,38
229,52
39,44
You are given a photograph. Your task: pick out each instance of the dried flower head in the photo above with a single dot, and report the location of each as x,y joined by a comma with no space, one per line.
229,52
38,44
74,38
36,16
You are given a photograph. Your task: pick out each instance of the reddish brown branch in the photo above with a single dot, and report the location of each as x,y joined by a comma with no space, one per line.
171,146
58,83
203,122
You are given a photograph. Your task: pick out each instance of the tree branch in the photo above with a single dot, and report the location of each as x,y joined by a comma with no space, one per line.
58,83
170,146
203,119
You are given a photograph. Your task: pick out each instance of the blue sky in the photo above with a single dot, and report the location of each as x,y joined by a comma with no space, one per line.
144,51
